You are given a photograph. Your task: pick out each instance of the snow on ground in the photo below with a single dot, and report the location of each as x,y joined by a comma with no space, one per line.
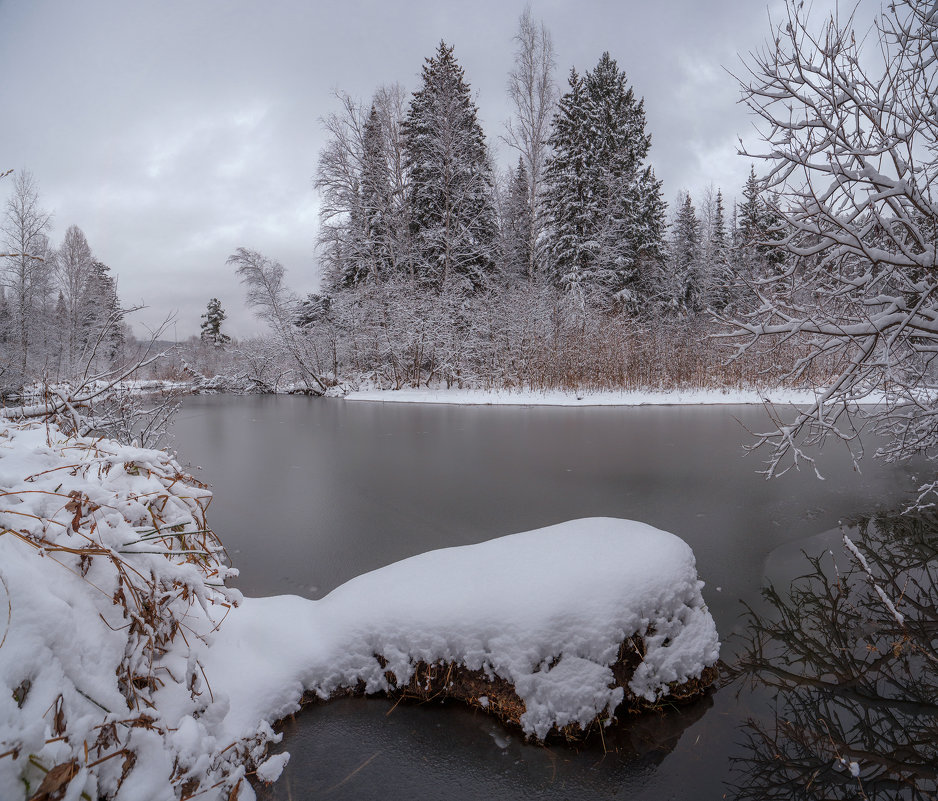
608,398
128,670
37,392
109,580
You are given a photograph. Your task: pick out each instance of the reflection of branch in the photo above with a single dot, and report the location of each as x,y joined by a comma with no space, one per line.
887,601
850,657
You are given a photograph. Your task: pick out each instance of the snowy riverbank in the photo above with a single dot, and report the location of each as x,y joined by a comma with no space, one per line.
688,397
129,671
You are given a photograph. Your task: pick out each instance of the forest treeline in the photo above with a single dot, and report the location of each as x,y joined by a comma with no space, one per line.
565,271
60,315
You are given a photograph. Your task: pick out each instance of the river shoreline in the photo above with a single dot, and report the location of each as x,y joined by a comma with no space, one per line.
509,397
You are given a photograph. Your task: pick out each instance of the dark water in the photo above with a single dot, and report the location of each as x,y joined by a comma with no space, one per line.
309,493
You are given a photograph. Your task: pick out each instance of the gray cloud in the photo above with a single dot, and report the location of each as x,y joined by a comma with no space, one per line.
174,132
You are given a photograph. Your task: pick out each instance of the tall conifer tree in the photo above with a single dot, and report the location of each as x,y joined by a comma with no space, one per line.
375,196
685,250
211,324
102,319
758,228
606,205
718,229
722,279
452,213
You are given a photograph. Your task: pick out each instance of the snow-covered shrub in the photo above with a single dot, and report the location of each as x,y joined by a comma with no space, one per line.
109,579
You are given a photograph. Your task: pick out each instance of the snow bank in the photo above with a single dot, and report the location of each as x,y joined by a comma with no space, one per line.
545,610
38,392
110,587
611,398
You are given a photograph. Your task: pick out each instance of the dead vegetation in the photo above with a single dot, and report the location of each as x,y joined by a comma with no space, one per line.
496,696
133,533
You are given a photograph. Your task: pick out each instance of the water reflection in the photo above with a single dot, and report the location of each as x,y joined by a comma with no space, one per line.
850,651
448,750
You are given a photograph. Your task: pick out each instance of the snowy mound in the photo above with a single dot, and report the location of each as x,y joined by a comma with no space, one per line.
545,610
110,582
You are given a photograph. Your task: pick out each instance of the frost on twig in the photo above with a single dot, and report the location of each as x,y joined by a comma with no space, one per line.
851,162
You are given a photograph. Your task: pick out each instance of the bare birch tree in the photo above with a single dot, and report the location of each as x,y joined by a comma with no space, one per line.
533,93
338,180
362,181
73,268
274,303
851,128
25,277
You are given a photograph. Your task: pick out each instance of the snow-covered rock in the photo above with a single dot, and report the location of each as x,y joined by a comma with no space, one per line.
547,611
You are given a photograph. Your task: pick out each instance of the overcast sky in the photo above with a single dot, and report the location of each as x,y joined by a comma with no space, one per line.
173,132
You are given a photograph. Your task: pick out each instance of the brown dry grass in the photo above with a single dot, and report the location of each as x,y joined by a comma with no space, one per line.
153,608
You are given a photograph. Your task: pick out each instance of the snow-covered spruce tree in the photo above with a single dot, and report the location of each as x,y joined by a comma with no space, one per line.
211,324
376,197
718,241
102,321
759,231
852,135
687,274
606,206
450,194
721,281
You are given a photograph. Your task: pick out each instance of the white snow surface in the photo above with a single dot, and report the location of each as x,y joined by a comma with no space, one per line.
512,607
545,609
700,397
93,535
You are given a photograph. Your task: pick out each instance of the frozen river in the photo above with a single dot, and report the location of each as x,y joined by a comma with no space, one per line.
309,493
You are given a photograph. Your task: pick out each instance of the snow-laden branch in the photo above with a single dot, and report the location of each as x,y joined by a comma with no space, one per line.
850,125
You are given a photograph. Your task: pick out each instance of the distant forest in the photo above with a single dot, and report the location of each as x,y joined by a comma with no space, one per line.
565,271
60,314
435,267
